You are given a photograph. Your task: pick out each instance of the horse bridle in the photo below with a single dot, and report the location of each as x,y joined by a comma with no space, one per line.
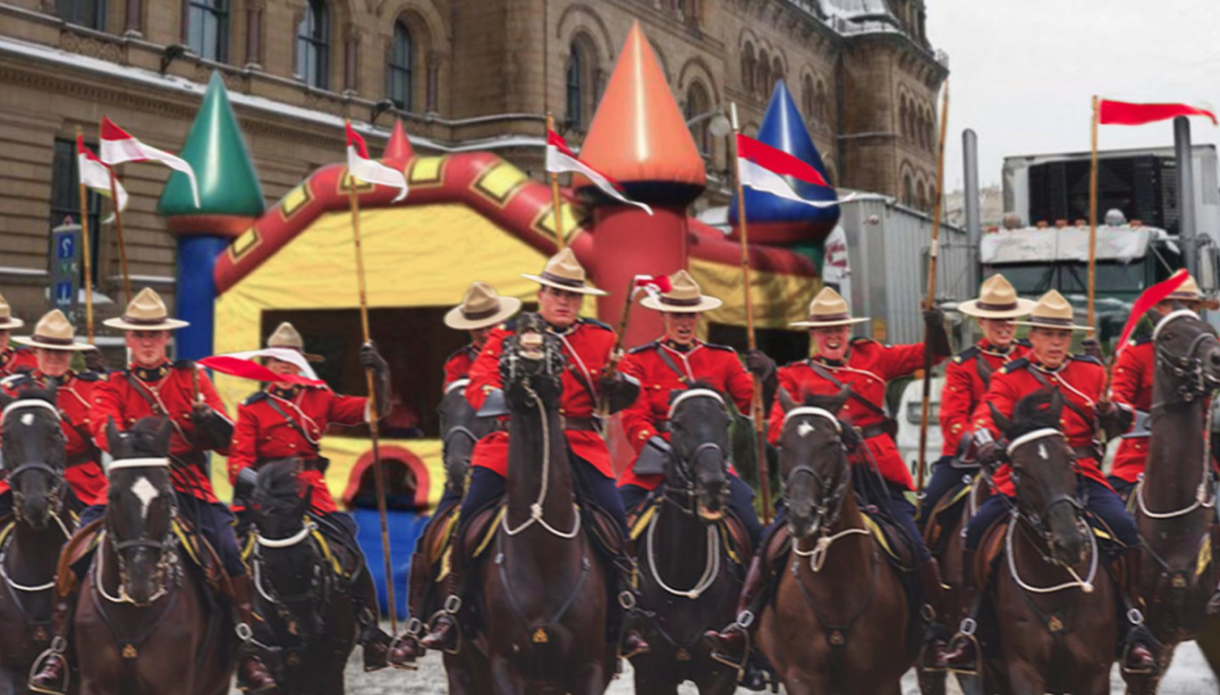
1034,518
829,494
319,585
59,483
686,487
1199,383
167,560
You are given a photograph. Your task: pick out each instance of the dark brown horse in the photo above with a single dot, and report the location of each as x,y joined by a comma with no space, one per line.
143,622
32,451
840,621
687,581
309,618
544,589
1175,505
1054,600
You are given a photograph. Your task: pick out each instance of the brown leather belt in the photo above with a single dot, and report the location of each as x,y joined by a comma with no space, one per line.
82,458
1086,452
317,463
870,431
578,424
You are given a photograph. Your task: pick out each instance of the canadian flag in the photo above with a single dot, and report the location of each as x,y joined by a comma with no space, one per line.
561,159
653,285
118,146
96,175
363,168
763,168
244,366
1112,112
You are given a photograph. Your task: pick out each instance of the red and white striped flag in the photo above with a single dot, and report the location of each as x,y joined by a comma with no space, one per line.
363,168
96,175
763,168
561,159
117,147
1148,299
653,285
1112,112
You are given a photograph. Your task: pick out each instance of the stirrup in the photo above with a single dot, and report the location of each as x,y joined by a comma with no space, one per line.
1122,663
966,632
410,633
59,650
739,664
456,624
1213,603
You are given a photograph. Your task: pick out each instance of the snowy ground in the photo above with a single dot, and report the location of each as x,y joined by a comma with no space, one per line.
1189,675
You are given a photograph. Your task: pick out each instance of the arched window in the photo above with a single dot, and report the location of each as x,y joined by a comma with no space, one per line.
904,118
697,106
922,124
808,103
580,81
921,197
207,29
762,77
747,68
313,45
823,104
908,191
401,67
777,72
575,88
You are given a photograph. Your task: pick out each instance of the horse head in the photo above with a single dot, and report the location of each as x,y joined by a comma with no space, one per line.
141,508
531,365
33,454
813,461
1044,475
1188,354
461,429
699,437
288,568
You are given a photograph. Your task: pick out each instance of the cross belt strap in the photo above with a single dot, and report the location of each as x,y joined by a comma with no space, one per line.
669,362
825,374
1041,379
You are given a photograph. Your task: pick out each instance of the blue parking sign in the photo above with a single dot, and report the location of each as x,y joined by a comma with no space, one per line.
63,293
65,246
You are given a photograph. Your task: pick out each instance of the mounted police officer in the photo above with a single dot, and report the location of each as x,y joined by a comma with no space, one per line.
12,360
152,385
865,366
966,379
287,420
1081,382
481,310
673,363
587,346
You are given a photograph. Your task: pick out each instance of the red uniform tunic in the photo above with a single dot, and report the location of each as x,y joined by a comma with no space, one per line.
262,432
587,345
965,385
715,365
74,398
171,390
457,365
1081,380
13,360
1132,387
868,368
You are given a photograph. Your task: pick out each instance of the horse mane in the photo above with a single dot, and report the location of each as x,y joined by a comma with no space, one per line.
39,393
1035,411
691,386
817,400
278,488
145,436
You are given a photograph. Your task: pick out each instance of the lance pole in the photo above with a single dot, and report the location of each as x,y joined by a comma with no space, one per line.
85,250
1093,219
560,242
930,301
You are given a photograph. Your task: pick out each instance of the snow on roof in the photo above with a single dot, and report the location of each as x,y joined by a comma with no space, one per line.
1069,244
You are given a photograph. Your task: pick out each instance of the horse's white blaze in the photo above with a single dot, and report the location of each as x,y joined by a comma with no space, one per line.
1042,452
146,492
804,429
27,419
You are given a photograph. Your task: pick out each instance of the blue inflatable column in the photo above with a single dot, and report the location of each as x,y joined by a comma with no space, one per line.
197,254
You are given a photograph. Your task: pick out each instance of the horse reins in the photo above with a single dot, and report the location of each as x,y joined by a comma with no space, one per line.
60,483
1085,585
687,490
165,562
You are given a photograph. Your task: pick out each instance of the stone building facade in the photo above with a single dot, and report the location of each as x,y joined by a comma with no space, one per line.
462,74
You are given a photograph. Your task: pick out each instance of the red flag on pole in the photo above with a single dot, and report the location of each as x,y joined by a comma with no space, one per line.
1150,297
1124,113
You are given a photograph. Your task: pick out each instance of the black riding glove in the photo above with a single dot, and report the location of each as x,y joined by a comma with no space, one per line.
618,391
372,360
95,361
938,337
1114,420
243,487
763,369
1092,348
212,430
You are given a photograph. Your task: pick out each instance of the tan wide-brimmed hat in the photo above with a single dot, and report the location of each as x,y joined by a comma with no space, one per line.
564,272
53,332
1053,311
1188,291
7,321
997,300
684,296
146,313
287,336
481,307
828,309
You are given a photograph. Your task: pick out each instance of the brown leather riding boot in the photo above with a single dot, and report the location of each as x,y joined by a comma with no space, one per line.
731,642
623,610
937,634
405,648
1139,645
252,674
50,672
445,632
373,641
963,654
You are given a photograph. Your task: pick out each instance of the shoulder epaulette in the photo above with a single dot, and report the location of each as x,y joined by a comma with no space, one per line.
596,323
1024,342
509,325
90,376
254,398
716,346
457,352
1016,365
1142,340
966,354
861,339
184,364
646,346
1087,358
17,379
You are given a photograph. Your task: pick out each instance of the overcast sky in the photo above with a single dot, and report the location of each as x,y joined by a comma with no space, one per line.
1023,72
